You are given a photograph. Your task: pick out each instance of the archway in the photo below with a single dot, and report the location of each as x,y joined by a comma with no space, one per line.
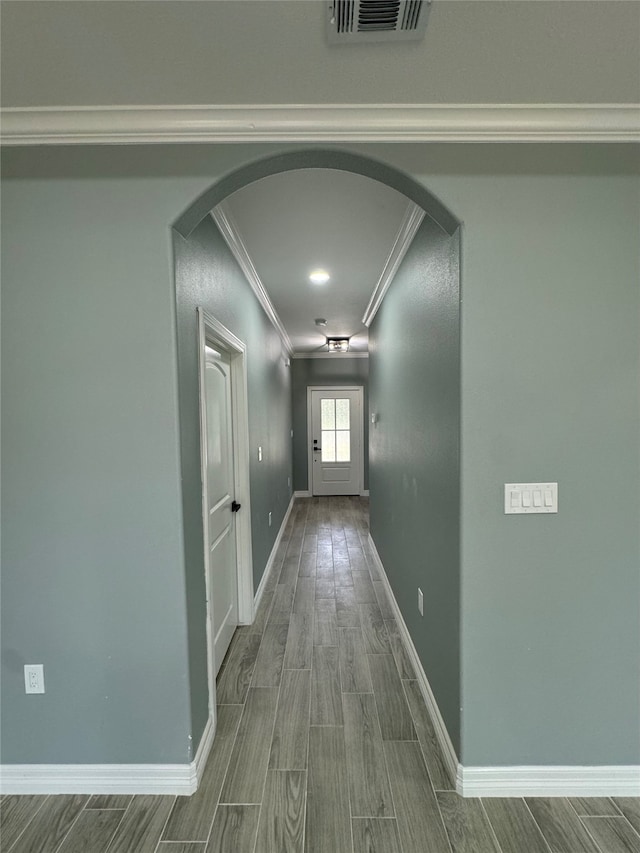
404,492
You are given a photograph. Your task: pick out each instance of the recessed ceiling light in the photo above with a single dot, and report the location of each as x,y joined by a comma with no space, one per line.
319,276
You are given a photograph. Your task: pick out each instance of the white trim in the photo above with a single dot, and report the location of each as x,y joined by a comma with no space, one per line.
305,493
204,747
364,493
210,329
177,779
221,215
336,355
407,231
335,388
128,125
554,781
442,735
272,558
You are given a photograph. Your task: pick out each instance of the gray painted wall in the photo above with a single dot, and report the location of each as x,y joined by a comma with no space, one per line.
323,371
550,391
549,606
415,458
207,275
92,566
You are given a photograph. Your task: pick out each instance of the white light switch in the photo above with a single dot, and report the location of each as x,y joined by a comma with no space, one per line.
530,497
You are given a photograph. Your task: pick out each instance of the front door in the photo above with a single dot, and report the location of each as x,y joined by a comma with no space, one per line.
336,441
222,563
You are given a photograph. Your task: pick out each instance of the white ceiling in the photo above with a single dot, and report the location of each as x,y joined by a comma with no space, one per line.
92,52
296,221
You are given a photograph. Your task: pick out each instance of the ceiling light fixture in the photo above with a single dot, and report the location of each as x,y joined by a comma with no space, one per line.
320,321
319,276
338,344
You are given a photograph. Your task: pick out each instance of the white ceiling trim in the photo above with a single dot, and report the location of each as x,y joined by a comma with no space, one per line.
223,219
407,231
127,125
336,355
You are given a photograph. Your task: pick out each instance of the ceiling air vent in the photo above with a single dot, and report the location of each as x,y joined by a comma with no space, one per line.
356,21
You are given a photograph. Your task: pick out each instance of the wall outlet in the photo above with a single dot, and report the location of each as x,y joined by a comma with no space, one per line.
34,678
259,454
289,482
420,602
269,519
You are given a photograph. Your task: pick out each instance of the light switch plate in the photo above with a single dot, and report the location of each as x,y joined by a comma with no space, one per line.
527,498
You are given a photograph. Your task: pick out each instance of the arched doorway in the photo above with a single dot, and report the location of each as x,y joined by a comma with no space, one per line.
201,261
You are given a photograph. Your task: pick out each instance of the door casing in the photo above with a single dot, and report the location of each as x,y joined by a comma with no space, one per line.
212,331
337,389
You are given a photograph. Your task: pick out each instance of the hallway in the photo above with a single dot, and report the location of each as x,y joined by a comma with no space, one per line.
323,744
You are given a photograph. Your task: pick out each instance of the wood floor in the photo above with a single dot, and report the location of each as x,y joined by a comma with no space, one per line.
323,743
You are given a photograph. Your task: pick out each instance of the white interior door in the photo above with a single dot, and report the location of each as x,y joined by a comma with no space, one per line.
336,452
222,560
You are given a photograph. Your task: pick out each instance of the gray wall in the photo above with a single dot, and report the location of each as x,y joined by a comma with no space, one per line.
207,275
93,575
550,391
92,566
414,452
323,371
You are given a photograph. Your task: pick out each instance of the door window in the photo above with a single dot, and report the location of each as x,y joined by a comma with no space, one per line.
335,426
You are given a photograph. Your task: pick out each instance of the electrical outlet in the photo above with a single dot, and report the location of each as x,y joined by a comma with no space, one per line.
269,519
289,482
420,602
34,678
259,454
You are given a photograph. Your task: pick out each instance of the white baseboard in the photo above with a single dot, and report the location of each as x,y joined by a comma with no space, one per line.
305,493
178,779
204,748
444,741
364,493
552,781
272,556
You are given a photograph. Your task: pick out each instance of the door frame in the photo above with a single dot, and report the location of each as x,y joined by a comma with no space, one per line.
334,388
212,331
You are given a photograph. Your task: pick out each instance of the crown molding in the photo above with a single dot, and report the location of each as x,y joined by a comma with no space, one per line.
229,230
407,231
129,125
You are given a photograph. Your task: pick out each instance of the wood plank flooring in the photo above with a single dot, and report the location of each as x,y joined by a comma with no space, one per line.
323,743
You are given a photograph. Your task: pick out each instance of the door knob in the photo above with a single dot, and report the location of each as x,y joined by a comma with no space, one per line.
235,506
